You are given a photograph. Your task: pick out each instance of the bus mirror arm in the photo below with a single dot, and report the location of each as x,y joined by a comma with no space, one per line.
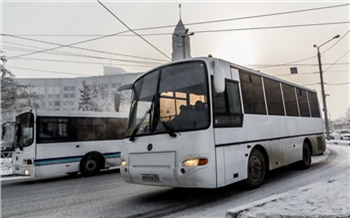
3,132
117,95
219,76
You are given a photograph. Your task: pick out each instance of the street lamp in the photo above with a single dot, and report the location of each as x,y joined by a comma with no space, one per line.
184,41
322,85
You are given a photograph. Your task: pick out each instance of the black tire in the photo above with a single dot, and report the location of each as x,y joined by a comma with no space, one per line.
90,165
256,170
305,163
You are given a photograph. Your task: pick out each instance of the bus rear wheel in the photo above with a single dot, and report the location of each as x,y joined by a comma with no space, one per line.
256,170
305,163
90,165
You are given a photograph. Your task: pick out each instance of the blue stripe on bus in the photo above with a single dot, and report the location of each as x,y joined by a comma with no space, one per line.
112,155
63,160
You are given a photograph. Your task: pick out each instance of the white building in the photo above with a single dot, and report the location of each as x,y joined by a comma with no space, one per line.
63,93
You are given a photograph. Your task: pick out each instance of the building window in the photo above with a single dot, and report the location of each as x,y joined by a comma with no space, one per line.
65,88
72,95
72,88
65,95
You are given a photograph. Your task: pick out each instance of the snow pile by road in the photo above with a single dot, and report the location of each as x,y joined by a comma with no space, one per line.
327,198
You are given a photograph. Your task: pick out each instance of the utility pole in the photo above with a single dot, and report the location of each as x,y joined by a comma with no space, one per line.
322,86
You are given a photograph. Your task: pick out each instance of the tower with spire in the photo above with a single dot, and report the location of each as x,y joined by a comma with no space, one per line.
181,41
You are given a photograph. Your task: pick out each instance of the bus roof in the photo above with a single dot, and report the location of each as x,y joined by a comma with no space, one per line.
250,70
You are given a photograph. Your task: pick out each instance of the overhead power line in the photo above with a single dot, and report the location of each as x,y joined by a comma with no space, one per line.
337,60
203,31
133,30
83,62
337,84
327,84
312,57
71,46
272,27
72,54
337,41
195,23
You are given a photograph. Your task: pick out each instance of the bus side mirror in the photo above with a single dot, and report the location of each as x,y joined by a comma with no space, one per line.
117,95
219,75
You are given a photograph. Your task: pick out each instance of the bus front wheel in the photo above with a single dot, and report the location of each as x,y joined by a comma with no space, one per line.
90,165
256,170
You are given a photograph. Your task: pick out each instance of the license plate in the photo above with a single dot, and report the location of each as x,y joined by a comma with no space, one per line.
150,177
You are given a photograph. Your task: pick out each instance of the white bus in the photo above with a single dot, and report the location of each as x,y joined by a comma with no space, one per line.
51,143
208,123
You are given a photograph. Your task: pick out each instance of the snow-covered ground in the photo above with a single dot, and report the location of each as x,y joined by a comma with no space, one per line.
327,198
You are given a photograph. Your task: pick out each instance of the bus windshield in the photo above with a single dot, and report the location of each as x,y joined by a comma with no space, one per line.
170,99
24,130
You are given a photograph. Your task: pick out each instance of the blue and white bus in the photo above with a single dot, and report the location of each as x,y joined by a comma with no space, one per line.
206,122
51,143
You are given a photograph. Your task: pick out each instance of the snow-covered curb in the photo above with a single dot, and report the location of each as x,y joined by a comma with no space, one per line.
338,142
328,198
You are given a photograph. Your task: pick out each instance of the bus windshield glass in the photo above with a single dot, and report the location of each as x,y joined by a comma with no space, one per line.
170,99
24,130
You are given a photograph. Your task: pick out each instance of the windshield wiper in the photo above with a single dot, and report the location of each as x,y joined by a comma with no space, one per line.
170,130
149,111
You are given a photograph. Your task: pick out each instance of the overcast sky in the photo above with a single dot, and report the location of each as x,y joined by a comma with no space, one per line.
256,42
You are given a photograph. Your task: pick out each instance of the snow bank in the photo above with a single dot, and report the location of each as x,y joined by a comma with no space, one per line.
327,198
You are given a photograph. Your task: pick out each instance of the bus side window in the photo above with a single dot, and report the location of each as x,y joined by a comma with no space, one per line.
227,106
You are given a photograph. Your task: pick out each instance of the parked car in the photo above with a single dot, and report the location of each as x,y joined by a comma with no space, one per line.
342,134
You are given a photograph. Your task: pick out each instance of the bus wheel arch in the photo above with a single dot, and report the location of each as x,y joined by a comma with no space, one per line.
257,168
91,163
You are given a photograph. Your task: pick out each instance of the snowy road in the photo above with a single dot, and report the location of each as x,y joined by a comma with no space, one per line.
107,195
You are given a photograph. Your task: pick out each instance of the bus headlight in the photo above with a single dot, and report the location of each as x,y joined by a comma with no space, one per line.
26,172
193,162
124,163
28,162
